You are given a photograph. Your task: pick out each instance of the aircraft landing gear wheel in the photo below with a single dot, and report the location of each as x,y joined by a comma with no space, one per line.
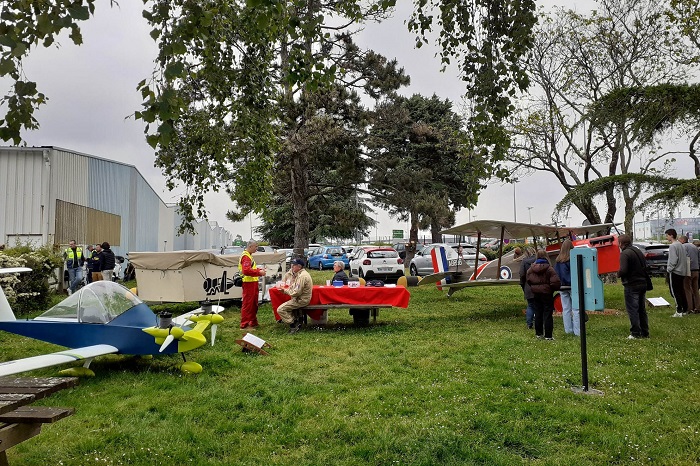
413,270
191,367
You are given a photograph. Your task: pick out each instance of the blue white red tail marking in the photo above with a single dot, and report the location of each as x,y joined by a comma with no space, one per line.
440,264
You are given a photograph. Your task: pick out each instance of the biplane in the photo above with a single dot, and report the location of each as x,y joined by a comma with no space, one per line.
505,270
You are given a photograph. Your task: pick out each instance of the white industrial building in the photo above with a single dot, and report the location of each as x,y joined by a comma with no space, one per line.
50,195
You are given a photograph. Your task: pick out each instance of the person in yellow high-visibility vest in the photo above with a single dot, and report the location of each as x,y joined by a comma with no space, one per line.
73,256
250,271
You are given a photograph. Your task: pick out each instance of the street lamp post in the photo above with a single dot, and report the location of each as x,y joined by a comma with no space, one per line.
515,215
529,213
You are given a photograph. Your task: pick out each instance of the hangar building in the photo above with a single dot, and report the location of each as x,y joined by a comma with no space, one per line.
50,195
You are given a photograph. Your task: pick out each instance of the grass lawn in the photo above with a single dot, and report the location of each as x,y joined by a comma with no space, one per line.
445,382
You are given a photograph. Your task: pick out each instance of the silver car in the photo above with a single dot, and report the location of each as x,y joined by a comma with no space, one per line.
422,263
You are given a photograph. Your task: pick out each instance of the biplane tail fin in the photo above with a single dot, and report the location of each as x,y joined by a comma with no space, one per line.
5,309
440,265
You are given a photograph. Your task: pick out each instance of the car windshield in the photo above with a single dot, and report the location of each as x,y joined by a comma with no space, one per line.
382,254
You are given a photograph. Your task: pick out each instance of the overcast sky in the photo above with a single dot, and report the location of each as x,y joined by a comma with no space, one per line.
92,90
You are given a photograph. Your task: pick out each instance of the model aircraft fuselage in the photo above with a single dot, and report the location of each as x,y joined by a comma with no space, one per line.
125,332
106,318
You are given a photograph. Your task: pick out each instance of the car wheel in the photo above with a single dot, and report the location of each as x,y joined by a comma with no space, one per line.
361,274
414,270
320,265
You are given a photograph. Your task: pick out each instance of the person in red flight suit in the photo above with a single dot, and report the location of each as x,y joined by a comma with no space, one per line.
250,272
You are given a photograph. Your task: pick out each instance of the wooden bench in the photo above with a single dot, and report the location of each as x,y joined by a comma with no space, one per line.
19,422
359,318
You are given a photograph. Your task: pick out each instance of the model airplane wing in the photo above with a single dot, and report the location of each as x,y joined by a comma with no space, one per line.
185,318
515,230
437,277
55,359
482,282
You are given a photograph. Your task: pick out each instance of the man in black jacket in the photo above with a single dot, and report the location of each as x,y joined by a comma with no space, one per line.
107,262
634,278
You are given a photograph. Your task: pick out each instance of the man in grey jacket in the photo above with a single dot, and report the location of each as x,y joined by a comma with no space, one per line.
677,268
692,297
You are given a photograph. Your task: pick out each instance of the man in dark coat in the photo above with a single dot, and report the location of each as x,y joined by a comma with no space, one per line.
634,279
107,262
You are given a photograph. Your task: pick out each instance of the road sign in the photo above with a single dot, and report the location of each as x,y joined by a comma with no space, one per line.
397,234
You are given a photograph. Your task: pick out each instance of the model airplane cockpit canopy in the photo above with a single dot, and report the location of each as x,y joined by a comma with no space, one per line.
98,304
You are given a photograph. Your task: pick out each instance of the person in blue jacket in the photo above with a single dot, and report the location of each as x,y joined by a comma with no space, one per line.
562,266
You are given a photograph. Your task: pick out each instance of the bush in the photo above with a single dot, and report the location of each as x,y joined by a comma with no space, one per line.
30,291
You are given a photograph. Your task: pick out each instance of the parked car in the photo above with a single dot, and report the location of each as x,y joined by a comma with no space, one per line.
422,262
323,257
469,253
377,262
267,248
402,248
656,256
232,250
288,253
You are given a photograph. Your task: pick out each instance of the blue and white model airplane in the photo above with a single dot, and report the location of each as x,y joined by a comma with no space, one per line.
105,318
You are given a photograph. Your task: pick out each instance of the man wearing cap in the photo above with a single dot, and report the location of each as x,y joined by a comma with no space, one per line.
251,273
300,288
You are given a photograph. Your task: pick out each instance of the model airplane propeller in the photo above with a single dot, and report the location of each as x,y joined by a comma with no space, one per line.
105,318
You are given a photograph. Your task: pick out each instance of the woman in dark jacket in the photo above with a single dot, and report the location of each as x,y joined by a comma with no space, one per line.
528,258
543,281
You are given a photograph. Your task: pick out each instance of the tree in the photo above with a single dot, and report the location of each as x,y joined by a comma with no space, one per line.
329,142
271,104
488,39
576,61
418,163
225,70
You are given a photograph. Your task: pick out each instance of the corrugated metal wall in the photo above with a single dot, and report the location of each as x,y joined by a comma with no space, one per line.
100,200
86,225
23,194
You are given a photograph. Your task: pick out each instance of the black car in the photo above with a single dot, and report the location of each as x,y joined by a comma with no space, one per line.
656,256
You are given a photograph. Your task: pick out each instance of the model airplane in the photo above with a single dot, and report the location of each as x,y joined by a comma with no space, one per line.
506,269
105,318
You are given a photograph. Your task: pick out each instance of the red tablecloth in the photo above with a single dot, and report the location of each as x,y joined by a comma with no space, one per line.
396,296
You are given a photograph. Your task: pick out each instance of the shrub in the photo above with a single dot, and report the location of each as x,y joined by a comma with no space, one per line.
29,292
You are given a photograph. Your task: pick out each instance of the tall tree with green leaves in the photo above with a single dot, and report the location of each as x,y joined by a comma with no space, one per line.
419,164
226,68
329,140
577,60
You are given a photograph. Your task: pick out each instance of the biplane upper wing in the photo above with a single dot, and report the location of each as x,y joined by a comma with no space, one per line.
514,230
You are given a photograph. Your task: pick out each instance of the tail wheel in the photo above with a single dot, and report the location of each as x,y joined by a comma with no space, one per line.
413,270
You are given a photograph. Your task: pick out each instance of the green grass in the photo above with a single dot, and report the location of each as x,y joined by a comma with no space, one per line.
444,382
